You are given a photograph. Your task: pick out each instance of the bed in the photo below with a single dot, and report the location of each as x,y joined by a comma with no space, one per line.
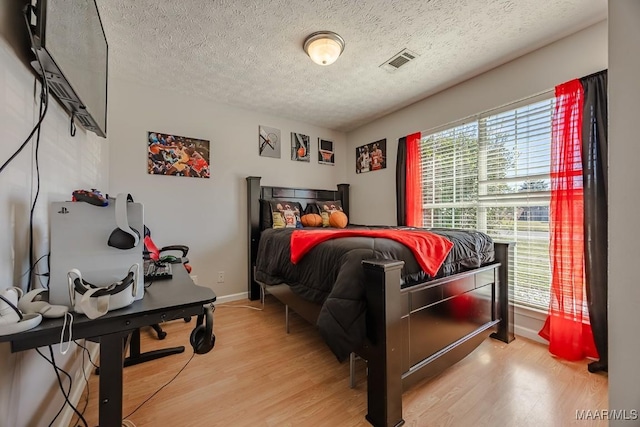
413,326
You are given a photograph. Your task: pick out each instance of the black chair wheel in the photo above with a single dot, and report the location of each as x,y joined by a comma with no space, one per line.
187,319
161,334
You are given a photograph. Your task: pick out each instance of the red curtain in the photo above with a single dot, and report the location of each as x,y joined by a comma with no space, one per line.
413,192
567,326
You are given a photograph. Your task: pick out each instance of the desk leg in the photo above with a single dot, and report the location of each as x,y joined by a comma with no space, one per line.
111,360
136,357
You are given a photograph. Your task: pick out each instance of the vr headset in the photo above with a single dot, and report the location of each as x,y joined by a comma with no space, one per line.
96,301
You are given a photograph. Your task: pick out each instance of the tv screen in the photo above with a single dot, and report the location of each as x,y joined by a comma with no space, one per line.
70,42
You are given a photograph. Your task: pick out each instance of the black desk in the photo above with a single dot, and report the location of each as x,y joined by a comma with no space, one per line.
164,300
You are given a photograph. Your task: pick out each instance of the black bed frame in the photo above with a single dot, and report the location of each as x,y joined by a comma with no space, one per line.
413,333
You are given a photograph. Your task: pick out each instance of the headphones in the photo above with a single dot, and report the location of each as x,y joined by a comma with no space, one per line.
123,237
12,320
202,338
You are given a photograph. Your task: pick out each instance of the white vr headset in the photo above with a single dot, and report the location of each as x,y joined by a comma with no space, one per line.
96,301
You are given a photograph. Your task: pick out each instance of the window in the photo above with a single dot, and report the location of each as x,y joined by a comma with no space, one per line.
493,174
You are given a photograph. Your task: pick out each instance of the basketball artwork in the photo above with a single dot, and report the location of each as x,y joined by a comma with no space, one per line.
177,155
325,152
371,157
269,142
300,147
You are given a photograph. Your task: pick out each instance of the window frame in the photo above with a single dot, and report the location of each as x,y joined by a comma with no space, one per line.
528,199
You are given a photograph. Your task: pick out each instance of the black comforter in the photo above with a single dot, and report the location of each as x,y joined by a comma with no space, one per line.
331,274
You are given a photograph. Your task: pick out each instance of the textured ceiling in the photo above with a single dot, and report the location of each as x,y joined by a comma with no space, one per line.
249,53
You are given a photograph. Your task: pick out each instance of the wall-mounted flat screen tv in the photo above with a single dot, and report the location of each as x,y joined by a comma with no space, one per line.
69,40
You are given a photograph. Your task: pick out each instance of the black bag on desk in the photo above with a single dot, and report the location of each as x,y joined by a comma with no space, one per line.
96,301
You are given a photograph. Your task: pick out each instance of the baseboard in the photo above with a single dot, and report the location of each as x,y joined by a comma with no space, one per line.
528,322
529,334
232,297
79,384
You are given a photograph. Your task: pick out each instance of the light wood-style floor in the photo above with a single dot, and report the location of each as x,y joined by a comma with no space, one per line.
257,375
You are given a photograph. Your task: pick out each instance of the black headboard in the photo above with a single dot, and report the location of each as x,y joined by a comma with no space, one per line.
255,192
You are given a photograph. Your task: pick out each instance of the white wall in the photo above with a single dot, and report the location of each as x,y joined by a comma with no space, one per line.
624,204
208,215
373,193
29,394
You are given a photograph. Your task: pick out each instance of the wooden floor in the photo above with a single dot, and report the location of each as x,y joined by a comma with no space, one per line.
257,375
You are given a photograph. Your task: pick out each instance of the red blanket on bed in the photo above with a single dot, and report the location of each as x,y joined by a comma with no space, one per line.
429,249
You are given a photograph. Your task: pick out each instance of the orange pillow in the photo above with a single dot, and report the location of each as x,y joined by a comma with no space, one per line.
311,220
338,219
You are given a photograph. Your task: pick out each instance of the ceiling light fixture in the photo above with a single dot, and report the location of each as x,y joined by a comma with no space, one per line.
324,47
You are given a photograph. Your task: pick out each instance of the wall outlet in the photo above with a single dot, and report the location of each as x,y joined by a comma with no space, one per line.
220,276
194,278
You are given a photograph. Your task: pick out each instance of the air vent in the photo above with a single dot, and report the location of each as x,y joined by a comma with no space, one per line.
398,60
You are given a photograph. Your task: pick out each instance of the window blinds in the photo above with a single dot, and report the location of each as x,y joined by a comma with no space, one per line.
493,174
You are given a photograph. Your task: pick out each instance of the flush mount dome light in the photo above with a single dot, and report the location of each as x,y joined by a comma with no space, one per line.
324,47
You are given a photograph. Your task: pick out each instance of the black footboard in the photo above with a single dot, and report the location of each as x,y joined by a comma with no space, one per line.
406,346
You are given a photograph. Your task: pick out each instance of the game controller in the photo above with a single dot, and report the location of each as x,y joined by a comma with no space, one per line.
37,301
94,197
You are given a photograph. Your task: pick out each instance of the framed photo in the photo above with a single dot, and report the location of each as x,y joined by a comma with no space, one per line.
300,147
325,152
268,142
371,157
175,155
